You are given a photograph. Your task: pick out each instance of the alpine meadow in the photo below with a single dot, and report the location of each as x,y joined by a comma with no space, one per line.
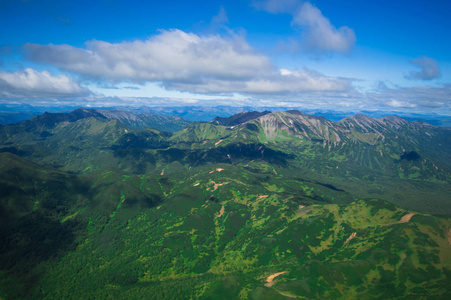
245,149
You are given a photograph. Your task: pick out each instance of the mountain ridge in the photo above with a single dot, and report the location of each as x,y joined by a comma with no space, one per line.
132,120
146,120
239,118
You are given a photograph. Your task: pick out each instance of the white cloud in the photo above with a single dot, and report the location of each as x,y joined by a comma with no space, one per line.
31,83
397,104
184,62
281,82
429,69
171,55
317,33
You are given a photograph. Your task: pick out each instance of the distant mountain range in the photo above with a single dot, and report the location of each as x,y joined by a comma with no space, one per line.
15,113
257,205
145,120
132,120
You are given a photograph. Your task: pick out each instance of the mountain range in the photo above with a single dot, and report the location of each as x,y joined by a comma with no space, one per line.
14,113
258,205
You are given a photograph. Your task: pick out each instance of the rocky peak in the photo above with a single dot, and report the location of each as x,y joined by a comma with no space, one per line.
239,118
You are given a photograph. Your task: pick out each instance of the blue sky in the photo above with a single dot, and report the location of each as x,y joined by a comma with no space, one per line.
324,54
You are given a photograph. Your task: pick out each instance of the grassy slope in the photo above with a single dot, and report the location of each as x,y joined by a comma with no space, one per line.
212,211
220,230
213,235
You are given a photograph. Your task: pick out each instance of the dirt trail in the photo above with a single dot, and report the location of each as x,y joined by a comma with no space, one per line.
282,230
406,218
221,212
216,185
270,279
350,237
217,170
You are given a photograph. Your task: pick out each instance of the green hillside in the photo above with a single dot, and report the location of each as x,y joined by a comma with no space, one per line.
280,206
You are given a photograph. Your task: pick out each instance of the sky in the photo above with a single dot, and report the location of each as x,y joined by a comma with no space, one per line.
346,55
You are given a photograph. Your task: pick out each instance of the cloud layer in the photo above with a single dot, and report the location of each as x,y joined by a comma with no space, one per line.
31,83
418,97
185,62
429,69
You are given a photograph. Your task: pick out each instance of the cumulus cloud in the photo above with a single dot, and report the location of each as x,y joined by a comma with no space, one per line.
318,34
31,83
298,81
429,69
170,55
185,62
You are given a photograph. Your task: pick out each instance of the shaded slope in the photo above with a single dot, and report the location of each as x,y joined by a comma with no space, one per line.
240,118
45,213
34,201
